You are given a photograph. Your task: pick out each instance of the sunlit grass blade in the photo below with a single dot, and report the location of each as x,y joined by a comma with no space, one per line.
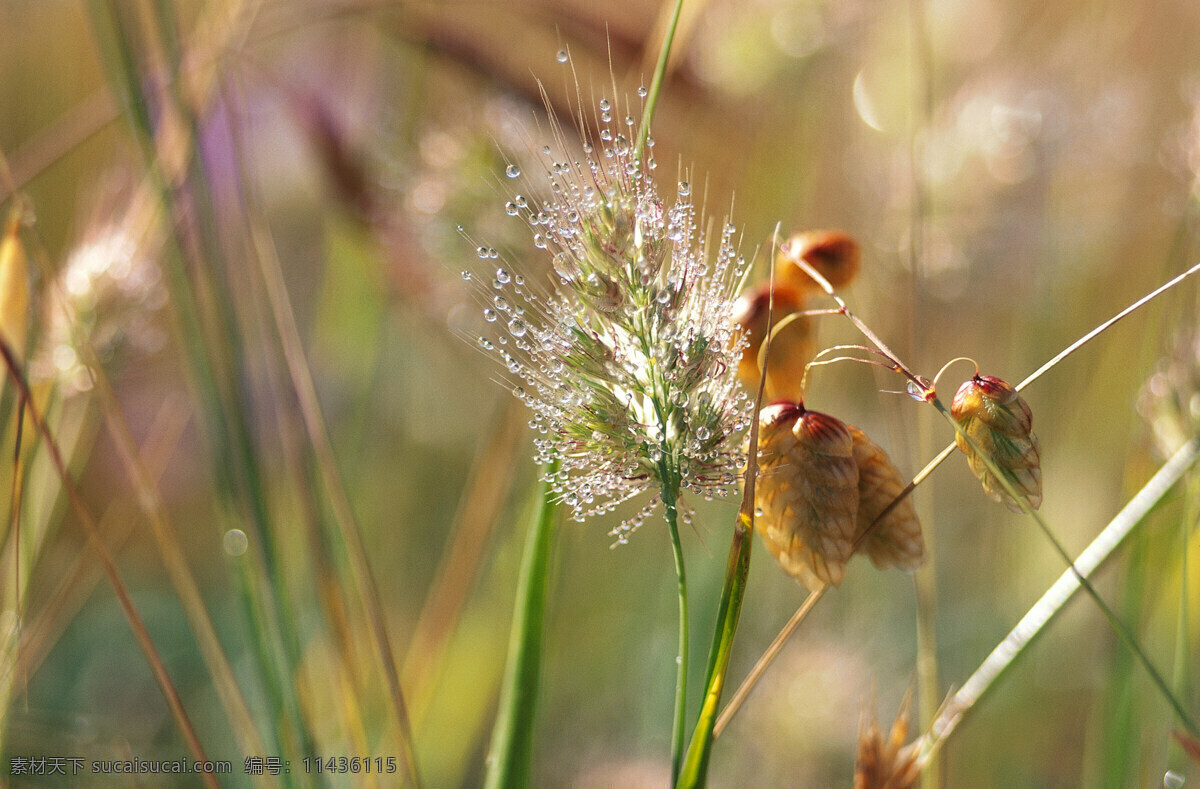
510,753
202,303
694,770
302,381
487,488
1035,620
1119,628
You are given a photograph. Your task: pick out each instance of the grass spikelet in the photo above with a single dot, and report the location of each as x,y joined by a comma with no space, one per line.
885,762
792,347
895,541
807,492
1000,422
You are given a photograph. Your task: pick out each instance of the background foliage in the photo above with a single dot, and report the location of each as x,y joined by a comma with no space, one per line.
1016,172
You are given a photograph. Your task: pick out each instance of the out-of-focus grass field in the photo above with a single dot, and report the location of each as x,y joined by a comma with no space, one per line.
1015,172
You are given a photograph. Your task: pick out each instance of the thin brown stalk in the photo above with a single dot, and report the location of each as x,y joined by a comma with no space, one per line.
174,561
768,656
15,510
310,409
136,625
116,523
479,509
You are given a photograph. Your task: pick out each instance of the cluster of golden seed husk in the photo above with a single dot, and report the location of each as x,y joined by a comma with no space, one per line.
886,762
821,486
835,256
999,422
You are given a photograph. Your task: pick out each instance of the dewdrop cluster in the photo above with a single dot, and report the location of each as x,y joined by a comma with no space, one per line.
627,352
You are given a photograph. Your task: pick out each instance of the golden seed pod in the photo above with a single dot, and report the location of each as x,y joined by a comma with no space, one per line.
896,541
14,286
886,763
806,494
834,254
792,349
999,421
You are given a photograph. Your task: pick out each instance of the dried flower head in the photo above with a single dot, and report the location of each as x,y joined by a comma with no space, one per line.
806,496
629,358
886,763
792,348
834,254
999,421
896,541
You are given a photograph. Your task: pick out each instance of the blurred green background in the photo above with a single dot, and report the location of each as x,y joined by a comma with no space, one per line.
1015,171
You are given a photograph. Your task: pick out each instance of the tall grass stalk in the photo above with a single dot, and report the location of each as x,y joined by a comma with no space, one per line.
150,502
656,83
1122,631
368,591
670,496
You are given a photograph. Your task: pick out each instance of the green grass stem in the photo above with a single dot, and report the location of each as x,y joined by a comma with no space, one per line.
510,754
660,73
670,495
694,772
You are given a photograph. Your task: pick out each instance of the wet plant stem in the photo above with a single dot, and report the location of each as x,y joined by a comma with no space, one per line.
670,497
660,72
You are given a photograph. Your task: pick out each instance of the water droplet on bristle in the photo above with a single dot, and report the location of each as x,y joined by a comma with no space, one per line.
512,171
685,189
562,56
502,276
489,315
641,91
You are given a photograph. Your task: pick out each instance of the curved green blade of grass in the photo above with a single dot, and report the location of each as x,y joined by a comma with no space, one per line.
511,749
1120,628
1033,623
695,764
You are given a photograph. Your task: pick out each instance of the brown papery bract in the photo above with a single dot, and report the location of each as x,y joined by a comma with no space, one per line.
833,253
1000,422
886,762
895,541
792,348
807,492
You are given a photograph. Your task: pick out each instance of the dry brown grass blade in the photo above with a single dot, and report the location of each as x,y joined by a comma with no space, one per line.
174,703
743,691
116,524
175,562
479,509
